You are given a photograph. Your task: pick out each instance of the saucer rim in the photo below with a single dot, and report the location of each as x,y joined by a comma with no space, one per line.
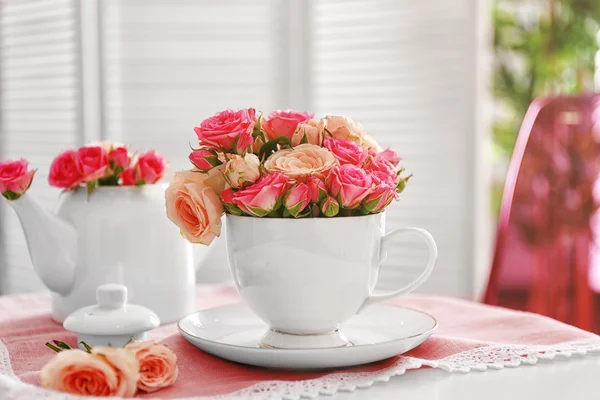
426,333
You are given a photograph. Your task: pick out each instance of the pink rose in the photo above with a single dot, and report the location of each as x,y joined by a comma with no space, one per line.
330,207
150,168
158,365
296,199
127,177
390,156
242,171
311,131
15,178
345,151
382,194
262,197
342,127
382,167
93,162
193,204
118,158
227,198
284,123
105,372
64,171
349,184
228,128
301,161
317,188
204,159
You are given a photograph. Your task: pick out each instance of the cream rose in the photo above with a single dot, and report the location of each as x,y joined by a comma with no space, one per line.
371,144
342,127
158,365
301,161
193,204
312,130
242,171
105,372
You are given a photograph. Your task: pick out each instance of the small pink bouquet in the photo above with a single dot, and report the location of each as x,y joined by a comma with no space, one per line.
103,164
288,165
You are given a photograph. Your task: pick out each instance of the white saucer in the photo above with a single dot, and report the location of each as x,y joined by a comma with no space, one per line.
233,332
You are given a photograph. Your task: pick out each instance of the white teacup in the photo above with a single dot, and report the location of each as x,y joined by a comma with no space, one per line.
304,277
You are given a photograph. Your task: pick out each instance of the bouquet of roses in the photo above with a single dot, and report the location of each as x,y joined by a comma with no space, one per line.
288,165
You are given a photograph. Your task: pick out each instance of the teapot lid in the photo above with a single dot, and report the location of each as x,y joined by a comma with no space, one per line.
112,315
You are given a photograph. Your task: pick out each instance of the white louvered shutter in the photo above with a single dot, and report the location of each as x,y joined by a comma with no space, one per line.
40,114
406,70
170,64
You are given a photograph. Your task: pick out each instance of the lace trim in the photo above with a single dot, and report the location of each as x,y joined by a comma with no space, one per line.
480,359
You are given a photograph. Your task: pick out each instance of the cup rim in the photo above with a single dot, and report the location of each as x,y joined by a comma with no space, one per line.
378,215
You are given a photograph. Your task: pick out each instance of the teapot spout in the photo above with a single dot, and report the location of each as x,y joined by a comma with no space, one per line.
52,243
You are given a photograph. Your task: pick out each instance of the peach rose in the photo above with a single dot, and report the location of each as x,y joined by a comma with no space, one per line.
242,171
15,178
301,161
158,365
342,127
193,204
105,372
371,144
312,131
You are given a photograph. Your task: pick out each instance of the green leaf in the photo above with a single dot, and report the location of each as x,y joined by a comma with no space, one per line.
402,184
259,212
56,349
140,182
271,146
91,186
129,341
62,345
87,346
10,195
232,209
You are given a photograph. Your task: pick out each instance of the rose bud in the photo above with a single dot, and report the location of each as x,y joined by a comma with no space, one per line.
317,189
242,171
15,178
330,207
204,159
262,197
296,199
311,131
118,158
382,194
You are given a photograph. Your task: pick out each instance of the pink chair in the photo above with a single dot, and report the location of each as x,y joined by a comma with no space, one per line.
545,241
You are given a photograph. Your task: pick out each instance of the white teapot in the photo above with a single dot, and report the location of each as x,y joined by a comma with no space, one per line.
114,235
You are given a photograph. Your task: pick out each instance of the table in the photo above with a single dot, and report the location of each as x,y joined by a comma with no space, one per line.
559,379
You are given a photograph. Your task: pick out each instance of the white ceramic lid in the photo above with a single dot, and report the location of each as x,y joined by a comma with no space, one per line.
112,315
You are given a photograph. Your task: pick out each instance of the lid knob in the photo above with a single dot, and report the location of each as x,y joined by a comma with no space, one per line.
111,295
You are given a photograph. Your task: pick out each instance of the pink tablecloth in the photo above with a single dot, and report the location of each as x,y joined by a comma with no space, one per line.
470,336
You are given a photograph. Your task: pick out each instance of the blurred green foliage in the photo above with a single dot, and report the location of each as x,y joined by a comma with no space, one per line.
540,48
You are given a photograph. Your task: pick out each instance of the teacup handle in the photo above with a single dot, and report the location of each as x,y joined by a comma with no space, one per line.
376,298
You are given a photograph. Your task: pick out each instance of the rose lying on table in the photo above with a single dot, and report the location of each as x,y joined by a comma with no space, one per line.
110,371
